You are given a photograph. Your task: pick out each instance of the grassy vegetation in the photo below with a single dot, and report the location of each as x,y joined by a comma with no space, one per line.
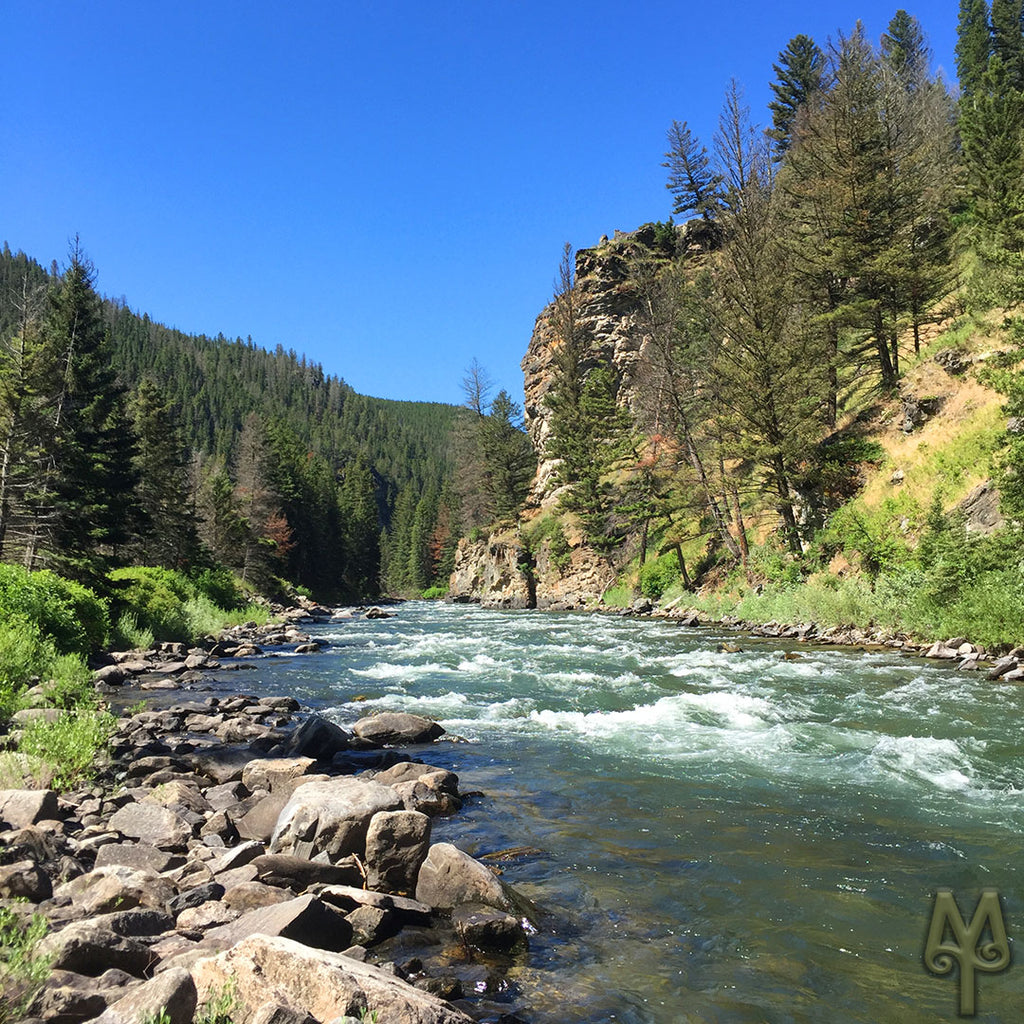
22,969
47,627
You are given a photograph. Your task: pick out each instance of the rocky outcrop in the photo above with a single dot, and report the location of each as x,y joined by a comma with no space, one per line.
608,303
492,571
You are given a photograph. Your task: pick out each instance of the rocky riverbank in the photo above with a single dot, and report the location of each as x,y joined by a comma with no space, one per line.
1003,664
240,851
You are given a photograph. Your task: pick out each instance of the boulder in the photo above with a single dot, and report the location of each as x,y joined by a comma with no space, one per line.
259,822
89,947
331,818
397,728
269,773
268,969
141,856
22,807
158,826
305,919
298,873
488,929
248,896
173,993
449,877
24,879
67,997
117,887
318,738
396,846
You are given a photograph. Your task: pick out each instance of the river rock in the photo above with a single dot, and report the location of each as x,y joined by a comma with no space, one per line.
87,947
67,997
22,807
396,846
117,887
397,728
172,993
158,826
305,919
486,928
248,896
331,818
141,856
299,873
318,738
325,985
269,773
449,877
25,880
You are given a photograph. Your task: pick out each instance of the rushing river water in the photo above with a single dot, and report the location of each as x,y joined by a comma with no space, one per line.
721,837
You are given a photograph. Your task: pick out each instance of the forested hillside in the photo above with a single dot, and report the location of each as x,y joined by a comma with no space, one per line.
708,400
257,460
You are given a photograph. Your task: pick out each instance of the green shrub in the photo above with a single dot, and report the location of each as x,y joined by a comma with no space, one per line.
657,576
72,615
435,593
128,634
22,969
156,597
71,745
221,587
24,653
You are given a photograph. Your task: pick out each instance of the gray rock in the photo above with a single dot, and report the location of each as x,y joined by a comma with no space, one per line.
396,846
195,897
1001,667
197,921
272,773
305,919
318,738
22,807
326,985
226,796
395,728
173,992
331,818
67,998
282,1013
488,929
141,856
24,879
449,877
244,853
259,822
158,826
86,947
371,925
117,887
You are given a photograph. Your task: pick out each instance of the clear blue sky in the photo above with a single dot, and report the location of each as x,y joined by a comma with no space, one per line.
385,186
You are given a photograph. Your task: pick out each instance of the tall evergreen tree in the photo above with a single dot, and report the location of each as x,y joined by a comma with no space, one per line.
694,184
799,75
1008,40
84,504
904,50
168,534
974,45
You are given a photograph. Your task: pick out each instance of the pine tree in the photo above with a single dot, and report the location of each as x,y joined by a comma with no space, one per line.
507,456
168,533
799,76
358,507
84,504
904,50
1008,40
693,183
974,45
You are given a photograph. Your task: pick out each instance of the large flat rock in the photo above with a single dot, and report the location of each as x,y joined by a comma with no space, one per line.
325,985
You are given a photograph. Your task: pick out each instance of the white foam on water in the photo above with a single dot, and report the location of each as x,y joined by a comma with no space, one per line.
390,670
940,762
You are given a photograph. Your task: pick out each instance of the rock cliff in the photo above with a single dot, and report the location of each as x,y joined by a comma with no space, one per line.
501,570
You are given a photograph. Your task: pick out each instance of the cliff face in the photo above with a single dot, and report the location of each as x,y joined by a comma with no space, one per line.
609,314
500,571
492,571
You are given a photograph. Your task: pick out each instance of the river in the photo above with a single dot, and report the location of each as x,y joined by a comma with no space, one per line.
738,837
